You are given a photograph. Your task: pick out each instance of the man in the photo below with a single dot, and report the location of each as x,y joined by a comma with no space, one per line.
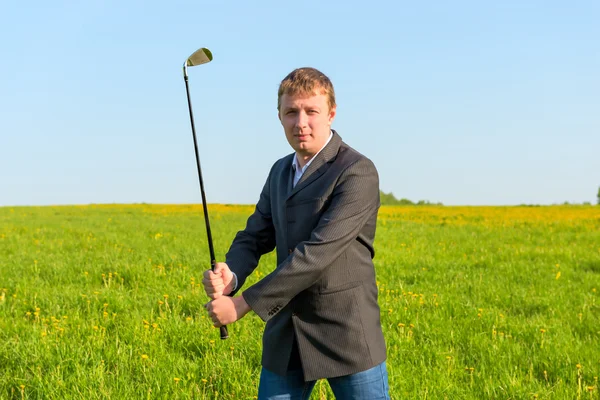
319,209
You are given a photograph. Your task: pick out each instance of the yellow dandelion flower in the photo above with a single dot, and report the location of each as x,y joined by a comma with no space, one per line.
144,356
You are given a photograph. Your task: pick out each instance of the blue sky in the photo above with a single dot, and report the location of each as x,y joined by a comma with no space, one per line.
466,102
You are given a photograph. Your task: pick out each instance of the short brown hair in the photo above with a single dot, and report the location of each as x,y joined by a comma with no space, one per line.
306,81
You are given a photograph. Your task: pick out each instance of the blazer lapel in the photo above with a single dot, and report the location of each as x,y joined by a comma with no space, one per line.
290,181
319,165
285,177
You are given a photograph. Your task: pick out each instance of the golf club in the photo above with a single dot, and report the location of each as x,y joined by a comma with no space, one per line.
199,57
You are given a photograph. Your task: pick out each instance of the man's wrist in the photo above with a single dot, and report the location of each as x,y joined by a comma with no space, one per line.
241,306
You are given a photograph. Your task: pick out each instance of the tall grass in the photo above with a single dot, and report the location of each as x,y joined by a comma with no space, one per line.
102,302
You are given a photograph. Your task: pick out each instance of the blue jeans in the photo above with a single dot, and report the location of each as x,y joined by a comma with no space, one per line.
371,384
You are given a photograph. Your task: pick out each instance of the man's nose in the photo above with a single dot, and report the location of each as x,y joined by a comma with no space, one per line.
302,120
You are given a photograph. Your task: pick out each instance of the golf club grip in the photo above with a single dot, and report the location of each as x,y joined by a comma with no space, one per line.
224,333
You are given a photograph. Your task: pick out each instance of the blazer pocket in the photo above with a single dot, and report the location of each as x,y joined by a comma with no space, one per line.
341,288
304,201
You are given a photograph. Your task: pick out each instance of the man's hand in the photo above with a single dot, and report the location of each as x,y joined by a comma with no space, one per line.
226,310
218,283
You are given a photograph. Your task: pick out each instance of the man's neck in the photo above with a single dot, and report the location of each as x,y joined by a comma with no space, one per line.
303,159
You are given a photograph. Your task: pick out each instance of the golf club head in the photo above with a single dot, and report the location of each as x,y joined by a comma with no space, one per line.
199,57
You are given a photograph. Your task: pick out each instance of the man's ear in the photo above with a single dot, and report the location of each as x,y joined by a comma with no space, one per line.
332,113
279,115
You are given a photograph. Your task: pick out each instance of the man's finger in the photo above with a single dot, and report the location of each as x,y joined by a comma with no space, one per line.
210,275
214,288
207,274
219,267
212,282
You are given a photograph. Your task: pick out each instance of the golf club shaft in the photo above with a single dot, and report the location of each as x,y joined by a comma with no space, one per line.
223,329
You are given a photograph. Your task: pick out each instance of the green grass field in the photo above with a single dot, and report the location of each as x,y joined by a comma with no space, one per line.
101,302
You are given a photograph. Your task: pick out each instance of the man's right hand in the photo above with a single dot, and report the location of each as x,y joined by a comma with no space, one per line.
218,283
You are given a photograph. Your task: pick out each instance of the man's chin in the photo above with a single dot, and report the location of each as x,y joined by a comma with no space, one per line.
305,152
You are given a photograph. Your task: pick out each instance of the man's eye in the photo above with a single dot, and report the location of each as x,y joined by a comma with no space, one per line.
313,112
291,112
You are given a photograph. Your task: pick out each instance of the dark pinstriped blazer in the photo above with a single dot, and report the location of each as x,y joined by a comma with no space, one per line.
323,290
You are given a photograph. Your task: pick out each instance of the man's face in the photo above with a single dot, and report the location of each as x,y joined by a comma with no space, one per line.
306,122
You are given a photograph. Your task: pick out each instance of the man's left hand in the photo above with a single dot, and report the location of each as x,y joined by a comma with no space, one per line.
226,310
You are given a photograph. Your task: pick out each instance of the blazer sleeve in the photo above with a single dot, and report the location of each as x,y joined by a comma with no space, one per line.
256,239
354,200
